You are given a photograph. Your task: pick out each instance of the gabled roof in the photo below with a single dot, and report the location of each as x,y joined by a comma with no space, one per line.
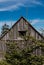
27,22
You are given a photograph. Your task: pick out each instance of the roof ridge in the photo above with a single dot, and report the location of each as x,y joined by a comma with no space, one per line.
17,22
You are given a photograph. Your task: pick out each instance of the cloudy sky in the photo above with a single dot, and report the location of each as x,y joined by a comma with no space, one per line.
32,10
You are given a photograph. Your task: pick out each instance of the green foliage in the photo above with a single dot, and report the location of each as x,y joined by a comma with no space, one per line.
5,28
14,56
4,63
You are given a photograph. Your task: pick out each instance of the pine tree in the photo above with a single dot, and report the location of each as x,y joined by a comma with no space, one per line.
5,29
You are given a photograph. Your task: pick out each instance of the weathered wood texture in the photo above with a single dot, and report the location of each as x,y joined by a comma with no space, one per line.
13,34
21,44
22,25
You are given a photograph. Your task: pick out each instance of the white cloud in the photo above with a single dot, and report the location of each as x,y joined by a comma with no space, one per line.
37,2
35,21
12,7
15,4
2,0
7,22
38,24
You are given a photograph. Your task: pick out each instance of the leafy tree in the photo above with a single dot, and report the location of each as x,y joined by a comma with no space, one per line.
15,56
5,28
4,63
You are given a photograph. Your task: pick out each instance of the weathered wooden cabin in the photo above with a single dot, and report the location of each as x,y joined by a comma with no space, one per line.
20,28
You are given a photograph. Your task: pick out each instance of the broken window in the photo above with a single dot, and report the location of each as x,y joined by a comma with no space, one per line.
22,33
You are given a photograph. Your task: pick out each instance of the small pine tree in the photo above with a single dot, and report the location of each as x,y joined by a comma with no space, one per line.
5,29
